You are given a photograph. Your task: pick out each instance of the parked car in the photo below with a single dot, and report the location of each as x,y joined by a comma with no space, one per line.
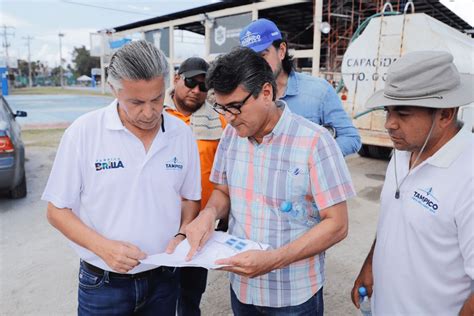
12,152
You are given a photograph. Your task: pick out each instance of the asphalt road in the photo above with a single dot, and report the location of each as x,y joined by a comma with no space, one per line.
38,270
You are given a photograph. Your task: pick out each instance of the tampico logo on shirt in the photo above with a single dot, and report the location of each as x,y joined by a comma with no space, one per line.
174,164
108,163
425,198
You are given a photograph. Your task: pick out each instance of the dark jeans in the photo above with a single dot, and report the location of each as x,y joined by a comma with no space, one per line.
313,306
192,285
154,293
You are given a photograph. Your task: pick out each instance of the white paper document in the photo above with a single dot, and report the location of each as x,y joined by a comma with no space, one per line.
219,246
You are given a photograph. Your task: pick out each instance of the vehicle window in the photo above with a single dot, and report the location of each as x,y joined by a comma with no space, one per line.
5,111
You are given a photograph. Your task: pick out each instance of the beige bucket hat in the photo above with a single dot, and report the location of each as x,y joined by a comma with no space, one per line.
426,79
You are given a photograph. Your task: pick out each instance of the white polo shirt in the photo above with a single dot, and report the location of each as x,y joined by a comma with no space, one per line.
424,256
103,173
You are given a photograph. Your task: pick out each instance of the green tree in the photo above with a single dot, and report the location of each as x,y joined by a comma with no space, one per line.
55,76
83,62
24,70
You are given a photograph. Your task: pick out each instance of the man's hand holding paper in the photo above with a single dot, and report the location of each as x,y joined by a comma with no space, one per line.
218,247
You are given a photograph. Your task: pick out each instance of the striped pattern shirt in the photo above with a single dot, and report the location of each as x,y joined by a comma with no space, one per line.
298,162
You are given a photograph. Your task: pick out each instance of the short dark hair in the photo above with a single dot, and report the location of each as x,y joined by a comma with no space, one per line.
242,66
287,63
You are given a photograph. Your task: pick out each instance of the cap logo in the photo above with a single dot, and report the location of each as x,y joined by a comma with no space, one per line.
250,38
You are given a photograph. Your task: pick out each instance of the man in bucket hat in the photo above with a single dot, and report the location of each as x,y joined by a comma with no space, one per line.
422,262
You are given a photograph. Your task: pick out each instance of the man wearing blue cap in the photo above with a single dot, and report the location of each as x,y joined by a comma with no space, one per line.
310,97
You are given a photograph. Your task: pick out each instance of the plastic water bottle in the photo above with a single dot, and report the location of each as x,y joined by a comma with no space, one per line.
364,302
298,212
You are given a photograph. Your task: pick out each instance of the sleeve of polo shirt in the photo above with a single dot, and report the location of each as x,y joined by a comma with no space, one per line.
65,181
219,172
464,218
333,114
330,179
191,188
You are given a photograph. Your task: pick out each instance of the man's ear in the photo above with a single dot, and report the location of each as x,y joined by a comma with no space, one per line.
282,50
114,91
448,116
176,79
267,92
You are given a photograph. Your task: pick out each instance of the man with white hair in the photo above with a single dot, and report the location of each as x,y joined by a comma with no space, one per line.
422,262
107,193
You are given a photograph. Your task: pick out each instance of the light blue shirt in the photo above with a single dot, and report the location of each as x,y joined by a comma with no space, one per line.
316,100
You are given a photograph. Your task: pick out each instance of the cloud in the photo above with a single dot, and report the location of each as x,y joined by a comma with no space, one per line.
72,37
11,20
48,54
49,50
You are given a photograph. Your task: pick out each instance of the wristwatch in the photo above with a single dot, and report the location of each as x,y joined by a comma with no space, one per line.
331,130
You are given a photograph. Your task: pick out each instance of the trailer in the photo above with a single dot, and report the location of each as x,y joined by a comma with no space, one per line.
386,37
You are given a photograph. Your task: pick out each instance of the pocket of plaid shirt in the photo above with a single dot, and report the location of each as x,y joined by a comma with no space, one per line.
297,184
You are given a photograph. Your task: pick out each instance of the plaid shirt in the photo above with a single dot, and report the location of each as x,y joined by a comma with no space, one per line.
298,162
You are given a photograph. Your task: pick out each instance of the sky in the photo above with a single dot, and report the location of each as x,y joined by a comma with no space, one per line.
44,19
76,19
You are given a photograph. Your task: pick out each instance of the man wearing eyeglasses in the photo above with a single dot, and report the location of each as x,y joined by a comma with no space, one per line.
311,97
283,181
187,101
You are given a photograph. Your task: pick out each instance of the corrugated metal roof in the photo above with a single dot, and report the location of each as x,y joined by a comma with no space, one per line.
182,14
293,19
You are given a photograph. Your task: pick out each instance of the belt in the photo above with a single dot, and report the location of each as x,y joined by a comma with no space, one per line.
144,274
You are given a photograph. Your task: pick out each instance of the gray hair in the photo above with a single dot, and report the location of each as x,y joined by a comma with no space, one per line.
137,60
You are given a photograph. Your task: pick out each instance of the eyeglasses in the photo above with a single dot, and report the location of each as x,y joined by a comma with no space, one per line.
232,108
191,83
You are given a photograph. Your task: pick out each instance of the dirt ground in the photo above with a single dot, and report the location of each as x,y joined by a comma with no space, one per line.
38,269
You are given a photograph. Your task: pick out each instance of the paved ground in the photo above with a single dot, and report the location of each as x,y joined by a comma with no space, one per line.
53,109
38,270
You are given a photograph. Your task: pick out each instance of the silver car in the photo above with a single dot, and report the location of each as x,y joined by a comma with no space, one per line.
12,153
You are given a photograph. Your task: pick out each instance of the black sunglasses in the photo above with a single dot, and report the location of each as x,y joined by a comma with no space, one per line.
191,83
232,108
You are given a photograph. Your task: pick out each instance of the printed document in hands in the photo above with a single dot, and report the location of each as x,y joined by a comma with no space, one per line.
219,246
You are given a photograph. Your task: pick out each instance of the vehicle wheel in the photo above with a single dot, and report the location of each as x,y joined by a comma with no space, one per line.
364,151
379,152
19,191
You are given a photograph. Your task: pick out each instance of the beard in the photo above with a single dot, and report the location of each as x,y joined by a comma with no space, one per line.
189,105
278,70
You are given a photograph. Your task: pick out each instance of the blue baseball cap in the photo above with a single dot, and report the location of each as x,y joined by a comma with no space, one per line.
259,34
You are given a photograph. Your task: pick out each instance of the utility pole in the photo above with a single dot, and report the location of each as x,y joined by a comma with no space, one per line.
28,40
5,43
105,35
61,35
317,20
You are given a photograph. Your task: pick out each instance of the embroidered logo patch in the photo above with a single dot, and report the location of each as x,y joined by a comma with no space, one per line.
425,198
108,163
174,164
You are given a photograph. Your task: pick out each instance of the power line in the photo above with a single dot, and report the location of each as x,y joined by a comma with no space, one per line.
105,8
